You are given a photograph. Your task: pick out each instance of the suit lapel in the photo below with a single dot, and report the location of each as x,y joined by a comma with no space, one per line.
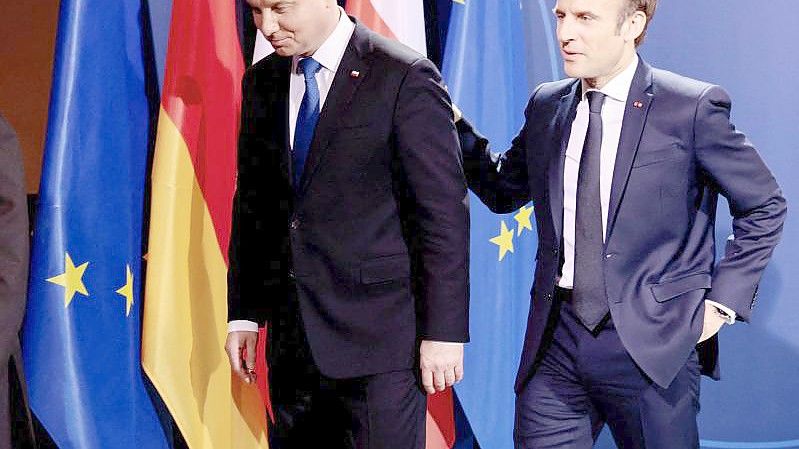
280,105
567,109
268,112
338,99
635,112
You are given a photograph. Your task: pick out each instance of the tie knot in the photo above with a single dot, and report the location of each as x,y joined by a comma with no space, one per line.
309,67
595,100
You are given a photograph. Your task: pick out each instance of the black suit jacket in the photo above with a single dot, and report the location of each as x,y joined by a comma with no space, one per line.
677,152
14,239
374,240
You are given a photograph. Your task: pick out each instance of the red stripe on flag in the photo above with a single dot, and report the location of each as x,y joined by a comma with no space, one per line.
263,372
202,95
441,407
366,13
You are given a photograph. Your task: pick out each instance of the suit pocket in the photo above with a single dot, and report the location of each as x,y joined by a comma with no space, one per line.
667,290
644,158
355,131
385,269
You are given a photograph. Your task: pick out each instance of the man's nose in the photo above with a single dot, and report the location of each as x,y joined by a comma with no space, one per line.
565,31
269,23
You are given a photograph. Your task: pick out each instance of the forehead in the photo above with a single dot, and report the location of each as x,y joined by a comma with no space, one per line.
595,6
265,4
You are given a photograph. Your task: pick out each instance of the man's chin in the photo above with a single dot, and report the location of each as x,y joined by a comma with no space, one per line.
284,51
573,70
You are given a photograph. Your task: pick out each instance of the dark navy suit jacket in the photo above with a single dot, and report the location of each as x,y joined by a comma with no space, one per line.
677,152
374,241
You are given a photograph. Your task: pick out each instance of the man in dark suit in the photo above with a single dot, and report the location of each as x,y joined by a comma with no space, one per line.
14,238
624,165
350,231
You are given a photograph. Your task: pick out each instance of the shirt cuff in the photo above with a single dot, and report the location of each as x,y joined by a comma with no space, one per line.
242,326
730,318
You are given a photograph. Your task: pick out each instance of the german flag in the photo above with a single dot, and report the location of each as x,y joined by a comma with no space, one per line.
193,182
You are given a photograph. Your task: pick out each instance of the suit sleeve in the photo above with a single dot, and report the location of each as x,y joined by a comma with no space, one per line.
14,234
241,307
756,202
499,180
429,158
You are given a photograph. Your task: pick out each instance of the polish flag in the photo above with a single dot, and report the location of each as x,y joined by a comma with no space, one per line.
403,21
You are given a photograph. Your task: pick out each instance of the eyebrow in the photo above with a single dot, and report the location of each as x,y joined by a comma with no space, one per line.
557,11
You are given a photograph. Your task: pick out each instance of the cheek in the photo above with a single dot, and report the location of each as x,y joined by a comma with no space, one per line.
290,25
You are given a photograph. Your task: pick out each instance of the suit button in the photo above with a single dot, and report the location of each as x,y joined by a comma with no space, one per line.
548,296
554,250
608,256
295,223
291,274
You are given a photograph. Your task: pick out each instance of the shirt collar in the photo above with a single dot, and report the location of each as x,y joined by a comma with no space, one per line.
332,50
618,88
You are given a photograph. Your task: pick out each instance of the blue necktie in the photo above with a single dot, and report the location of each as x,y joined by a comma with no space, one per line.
589,297
306,119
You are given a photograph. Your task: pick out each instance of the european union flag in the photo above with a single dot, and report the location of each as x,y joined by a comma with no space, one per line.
81,337
484,67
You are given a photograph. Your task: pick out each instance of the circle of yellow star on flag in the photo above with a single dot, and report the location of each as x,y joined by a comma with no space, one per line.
523,219
127,290
504,241
71,279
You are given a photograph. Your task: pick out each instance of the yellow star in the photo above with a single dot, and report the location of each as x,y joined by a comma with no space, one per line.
504,240
127,290
71,279
523,219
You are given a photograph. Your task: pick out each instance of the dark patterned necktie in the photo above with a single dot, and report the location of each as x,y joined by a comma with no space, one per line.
589,297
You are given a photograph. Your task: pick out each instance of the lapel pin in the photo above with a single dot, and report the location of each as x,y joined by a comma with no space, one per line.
638,104
355,74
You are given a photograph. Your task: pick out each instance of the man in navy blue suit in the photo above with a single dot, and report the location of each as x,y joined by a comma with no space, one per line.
624,164
350,232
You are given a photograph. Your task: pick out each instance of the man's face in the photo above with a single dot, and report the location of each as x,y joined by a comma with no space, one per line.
294,27
591,42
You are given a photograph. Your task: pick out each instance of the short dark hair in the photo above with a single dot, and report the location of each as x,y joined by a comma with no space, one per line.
648,7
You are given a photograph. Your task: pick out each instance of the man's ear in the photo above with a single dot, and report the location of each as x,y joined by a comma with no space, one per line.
634,26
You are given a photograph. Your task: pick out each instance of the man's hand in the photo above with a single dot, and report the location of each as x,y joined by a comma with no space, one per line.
240,348
713,322
441,364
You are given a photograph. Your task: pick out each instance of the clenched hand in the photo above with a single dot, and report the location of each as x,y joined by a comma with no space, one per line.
441,364
240,347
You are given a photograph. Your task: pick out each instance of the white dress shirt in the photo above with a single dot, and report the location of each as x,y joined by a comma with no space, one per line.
329,55
616,92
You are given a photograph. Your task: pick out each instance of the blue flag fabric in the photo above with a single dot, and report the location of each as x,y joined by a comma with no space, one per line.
81,337
484,67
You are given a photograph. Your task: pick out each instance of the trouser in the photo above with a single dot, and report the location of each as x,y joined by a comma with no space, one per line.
311,410
587,379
